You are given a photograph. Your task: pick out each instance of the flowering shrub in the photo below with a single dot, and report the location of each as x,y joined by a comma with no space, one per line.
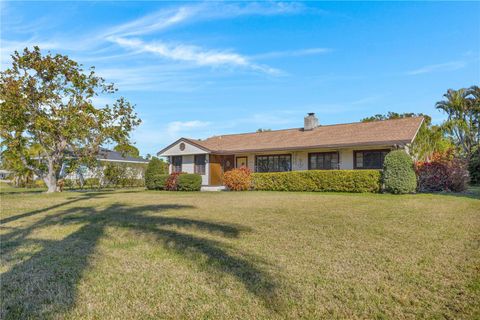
443,173
238,179
172,182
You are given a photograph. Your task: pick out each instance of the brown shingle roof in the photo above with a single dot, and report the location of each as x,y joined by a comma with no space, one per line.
387,132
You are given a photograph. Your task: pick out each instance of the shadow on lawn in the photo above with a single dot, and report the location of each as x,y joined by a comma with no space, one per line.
56,206
473,192
45,283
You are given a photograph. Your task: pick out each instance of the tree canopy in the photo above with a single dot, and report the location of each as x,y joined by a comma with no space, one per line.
47,100
429,139
463,124
394,115
127,150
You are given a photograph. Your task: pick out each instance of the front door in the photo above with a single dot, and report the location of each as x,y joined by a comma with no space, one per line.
228,163
218,165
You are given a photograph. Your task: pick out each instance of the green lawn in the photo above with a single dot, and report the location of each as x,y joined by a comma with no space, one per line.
137,254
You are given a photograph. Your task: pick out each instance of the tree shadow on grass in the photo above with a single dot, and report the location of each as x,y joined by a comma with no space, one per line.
45,283
472,192
71,200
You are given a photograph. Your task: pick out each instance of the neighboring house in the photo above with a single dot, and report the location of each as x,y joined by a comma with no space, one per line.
4,174
107,156
361,145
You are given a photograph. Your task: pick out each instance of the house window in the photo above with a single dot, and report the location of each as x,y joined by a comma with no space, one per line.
323,161
369,159
273,163
177,164
200,163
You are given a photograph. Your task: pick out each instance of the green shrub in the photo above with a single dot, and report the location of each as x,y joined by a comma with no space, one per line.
158,182
36,184
70,184
189,182
155,168
130,182
399,173
92,183
474,167
319,180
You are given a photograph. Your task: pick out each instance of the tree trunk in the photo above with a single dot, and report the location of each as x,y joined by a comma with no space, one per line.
51,178
51,183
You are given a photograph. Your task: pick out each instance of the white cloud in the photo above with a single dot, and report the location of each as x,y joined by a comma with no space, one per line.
154,136
160,20
166,18
293,53
194,54
448,66
158,78
176,128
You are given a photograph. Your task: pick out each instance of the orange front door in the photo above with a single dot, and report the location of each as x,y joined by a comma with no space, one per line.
215,170
218,165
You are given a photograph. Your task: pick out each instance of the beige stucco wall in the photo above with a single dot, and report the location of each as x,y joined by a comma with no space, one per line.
300,158
188,166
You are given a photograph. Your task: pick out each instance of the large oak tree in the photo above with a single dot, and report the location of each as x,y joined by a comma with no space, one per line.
47,100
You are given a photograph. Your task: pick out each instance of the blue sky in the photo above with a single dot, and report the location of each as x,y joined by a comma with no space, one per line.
205,68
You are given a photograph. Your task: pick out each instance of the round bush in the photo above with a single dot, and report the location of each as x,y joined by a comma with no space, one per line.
399,173
155,170
189,182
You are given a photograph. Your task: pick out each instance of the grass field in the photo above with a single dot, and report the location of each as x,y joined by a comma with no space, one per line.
138,254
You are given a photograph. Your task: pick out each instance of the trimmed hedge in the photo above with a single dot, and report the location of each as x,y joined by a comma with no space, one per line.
319,180
399,173
189,182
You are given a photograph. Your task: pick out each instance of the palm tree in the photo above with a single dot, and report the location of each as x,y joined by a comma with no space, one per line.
463,113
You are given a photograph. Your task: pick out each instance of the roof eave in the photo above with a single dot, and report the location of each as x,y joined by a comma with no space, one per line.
330,146
185,140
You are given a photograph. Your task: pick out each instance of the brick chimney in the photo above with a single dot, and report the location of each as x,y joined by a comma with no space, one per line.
310,122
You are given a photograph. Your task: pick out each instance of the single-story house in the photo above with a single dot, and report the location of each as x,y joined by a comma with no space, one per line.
107,156
361,145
